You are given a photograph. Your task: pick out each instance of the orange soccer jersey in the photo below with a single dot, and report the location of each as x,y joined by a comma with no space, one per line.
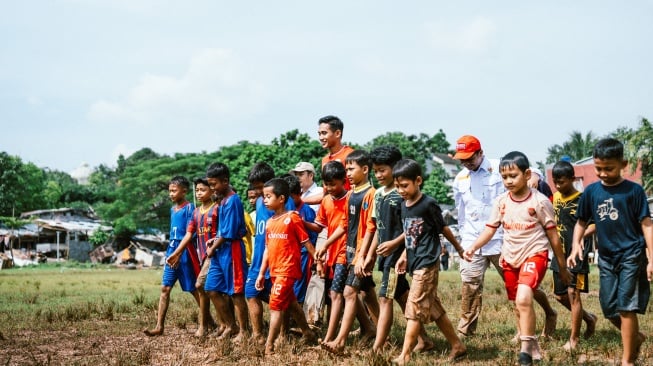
340,156
285,234
360,205
331,215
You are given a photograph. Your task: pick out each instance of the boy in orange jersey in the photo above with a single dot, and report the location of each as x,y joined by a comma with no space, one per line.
204,223
284,235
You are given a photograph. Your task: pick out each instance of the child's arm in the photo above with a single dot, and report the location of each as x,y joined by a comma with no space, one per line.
446,231
312,226
482,239
337,233
260,280
214,244
577,245
647,230
315,199
173,259
370,258
559,252
360,269
402,263
309,246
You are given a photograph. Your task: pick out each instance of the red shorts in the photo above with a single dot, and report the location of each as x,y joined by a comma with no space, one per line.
282,293
530,273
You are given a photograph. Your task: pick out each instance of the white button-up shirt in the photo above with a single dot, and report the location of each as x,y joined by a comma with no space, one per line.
474,193
312,191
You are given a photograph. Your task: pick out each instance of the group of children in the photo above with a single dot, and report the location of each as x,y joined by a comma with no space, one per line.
397,228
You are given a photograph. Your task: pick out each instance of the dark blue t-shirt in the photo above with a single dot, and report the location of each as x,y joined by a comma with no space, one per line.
423,224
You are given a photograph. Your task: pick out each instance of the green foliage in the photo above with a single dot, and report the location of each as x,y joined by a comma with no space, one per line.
637,150
578,147
21,186
99,237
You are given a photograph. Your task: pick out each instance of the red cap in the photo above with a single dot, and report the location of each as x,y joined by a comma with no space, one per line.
466,146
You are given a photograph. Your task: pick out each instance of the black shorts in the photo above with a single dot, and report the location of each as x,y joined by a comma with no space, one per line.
359,283
577,281
393,286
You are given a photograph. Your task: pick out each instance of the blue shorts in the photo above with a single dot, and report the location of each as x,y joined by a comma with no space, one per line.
302,284
228,269
250,287
624,286
393,286
337,284
359,283
185,271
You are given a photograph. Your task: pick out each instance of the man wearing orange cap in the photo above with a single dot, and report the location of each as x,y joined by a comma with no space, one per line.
474,189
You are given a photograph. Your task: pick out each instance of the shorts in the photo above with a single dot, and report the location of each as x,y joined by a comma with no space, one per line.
530,273
336,282
359,283
282,293
251,291
393,286
302,284
228,269
186,271
577,281
474,271
624,286
423,303
201,278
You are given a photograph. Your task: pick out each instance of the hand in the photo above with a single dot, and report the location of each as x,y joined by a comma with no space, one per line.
565,276
319,254
359,270
401,265
209,251
368,266
575,254
649,271
319,269
468,255
173,261
259,285
383,250
210,242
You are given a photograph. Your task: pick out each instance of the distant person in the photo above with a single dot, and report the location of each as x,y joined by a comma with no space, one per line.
225,282
249,217
529,228
621,214
188,266
475,188
202,226
423,223
285,234
444,258
565,205
330,136
305,172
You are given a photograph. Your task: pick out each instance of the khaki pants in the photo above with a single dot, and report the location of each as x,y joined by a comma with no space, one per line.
472,275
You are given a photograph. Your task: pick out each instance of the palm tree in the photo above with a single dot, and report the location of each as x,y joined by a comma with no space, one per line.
578,147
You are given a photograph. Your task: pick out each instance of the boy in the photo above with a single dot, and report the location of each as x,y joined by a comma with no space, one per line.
226,278
422,223
388,244
204,224
565,204
360,229
331,214
284,235
625,238
308,216
529,227
188,265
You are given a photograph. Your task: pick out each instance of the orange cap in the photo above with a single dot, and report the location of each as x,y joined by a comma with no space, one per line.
466,146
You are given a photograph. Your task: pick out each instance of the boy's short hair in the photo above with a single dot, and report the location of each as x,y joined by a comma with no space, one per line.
250,187
360,157
279,187
386,155
563,169
408,169
201,180
334,123
260,172
515,158
217,171
180,181
333,170
608,148
293,184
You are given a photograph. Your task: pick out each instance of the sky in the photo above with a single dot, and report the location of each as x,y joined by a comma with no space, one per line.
87,80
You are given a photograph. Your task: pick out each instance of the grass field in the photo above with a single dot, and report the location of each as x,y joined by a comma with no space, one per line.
76,314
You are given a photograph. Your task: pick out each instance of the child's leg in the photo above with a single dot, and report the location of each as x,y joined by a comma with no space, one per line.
240,306
551,315
457,347
205,313
371,302
164,301
630,337
384,324
276,317
337,303
424,342
221,303
363,317
255,308
413,329
349,313
297,313
526,319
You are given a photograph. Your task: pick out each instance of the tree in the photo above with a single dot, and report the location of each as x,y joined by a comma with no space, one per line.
21,186
637,150
578,147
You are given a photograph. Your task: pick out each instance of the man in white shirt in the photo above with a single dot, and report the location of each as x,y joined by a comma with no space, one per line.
305,172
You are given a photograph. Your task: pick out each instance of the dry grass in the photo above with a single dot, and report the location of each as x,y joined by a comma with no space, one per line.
85,315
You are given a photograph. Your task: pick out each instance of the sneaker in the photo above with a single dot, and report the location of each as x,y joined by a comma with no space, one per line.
525,359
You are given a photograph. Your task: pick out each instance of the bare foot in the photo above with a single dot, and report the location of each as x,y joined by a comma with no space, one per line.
640,340
154,332
457,352
201,332
570,345
309,336
269,349
516,339
550,325
424,346
228,333
257,339
591,326
239,338
401,360
333,347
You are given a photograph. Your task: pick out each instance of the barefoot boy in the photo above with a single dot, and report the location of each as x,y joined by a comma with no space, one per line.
529,227
423,223
565,205
285,234
620,212
188,265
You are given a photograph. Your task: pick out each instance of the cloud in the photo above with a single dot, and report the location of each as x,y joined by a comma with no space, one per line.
472,36
121,149
215,86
